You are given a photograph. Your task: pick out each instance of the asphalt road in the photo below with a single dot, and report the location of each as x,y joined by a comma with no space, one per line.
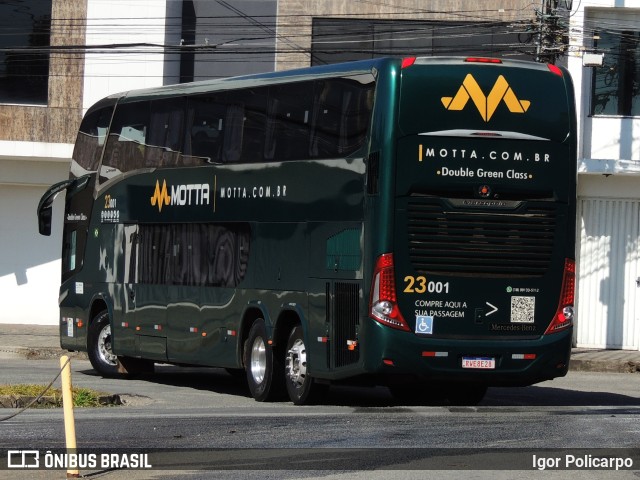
355,433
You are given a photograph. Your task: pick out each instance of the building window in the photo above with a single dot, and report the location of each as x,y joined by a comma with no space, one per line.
24,51
616,83
340,40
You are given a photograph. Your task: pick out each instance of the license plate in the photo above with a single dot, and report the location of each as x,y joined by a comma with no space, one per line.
482,363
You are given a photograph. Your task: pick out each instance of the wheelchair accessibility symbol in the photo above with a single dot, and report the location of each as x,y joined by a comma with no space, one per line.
424,325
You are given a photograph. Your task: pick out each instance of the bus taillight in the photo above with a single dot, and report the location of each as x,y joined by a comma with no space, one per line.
383,304
554,69
564,314
482,60
408,61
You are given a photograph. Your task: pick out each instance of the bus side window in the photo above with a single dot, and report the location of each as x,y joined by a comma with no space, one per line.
205,130
341,113
193,254
255,125
69,250
164,143
127,139
326,119
289,121
245,123
356,116
130,249
233,134
90,141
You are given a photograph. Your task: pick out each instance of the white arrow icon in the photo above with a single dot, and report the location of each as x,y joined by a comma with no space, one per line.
495,309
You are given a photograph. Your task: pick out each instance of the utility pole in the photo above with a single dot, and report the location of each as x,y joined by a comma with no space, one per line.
552,29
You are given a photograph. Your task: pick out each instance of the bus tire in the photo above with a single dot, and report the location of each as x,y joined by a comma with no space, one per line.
301,387
264,370
102,358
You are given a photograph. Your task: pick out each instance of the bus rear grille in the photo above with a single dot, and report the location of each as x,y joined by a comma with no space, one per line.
480,243
346,317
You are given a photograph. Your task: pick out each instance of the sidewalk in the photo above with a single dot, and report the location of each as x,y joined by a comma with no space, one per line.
40,341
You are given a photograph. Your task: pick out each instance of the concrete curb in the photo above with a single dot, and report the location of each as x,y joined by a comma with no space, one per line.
605,366
51,401
581,361
41,342
39,353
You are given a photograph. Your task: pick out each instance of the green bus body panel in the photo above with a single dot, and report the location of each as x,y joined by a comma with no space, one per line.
467,176
327,198
485,214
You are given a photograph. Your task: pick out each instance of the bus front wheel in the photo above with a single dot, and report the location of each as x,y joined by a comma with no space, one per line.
101,356
264,368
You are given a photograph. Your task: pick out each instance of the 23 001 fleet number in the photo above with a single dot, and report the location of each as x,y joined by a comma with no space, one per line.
421,285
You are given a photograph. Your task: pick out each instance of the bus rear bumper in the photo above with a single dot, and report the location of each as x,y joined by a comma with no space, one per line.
503,362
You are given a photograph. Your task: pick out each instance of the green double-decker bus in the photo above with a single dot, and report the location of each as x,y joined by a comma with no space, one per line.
407,222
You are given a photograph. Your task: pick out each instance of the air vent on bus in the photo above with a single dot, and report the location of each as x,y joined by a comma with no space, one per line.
346,317
482,243
373,173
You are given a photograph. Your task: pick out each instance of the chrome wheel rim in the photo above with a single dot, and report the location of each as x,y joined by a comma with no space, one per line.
296,363
104,346
258,360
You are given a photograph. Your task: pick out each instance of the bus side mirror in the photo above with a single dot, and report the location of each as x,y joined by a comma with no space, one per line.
45,208
44,220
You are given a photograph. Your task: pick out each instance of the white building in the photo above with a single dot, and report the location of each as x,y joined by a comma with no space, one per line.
608,104
37,133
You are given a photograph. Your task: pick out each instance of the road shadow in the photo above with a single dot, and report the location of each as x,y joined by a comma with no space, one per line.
537,395
217,380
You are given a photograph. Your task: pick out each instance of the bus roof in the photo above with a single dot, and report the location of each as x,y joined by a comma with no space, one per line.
261,79
347,69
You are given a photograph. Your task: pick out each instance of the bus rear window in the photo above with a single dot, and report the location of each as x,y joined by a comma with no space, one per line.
475,97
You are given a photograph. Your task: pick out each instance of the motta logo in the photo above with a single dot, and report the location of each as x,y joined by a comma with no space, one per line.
186,194
486,104
160,195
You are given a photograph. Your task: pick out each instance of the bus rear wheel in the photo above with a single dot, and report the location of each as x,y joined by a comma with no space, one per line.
263,366
301,387
101,356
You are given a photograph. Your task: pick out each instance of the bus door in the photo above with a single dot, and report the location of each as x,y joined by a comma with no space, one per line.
208,262
143,330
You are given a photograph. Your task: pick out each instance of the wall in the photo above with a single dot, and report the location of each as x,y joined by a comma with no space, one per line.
608,195
35,149
295,18
140,29
36,142
29,262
